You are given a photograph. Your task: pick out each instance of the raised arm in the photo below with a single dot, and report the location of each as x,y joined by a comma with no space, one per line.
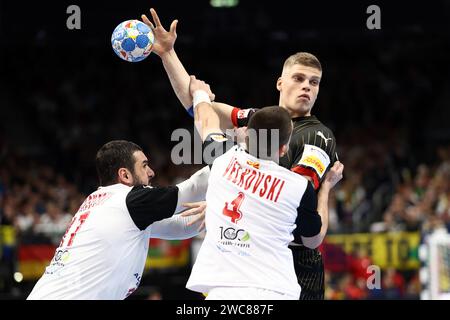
206,118
178,76
164,48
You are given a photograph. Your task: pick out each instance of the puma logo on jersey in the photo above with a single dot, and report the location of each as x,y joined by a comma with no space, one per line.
320,134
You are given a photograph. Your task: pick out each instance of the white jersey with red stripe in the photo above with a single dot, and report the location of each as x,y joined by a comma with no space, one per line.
102,254
251,213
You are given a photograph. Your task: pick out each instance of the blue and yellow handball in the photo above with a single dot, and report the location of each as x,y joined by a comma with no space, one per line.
132,40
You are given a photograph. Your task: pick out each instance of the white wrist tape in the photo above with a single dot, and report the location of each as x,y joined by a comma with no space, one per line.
199,97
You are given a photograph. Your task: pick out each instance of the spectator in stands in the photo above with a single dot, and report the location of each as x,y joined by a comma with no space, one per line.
53,223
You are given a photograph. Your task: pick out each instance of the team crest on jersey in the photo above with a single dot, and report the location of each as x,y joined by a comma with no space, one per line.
254,164
218,138
315,158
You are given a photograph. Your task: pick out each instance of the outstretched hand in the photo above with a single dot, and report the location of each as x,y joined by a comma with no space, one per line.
164,40
196,208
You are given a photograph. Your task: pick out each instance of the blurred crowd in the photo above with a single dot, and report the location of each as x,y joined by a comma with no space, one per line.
380,194
36,200
393,285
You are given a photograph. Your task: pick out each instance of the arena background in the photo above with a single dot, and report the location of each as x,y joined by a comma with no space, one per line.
384,93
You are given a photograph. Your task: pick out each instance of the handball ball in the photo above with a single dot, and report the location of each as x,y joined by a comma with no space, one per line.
132,40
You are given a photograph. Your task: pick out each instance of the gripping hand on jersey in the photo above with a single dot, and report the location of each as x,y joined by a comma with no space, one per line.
333,176
196,84
164,40
196,208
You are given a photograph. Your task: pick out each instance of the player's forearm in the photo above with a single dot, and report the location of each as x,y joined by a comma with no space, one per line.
178,77
175,228
322,209
193,189
207,120
224,112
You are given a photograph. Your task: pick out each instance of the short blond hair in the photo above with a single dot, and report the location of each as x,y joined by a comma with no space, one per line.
303,58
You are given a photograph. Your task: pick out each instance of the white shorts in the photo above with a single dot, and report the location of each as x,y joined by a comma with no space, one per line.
247,293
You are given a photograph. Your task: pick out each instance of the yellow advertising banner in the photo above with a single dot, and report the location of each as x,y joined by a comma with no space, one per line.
7,237
398,249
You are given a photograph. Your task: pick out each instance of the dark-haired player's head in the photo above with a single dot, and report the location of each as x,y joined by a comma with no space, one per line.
269,132
124,162
299,83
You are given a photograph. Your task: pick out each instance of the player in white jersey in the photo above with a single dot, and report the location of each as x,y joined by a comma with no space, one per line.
254,205
103,252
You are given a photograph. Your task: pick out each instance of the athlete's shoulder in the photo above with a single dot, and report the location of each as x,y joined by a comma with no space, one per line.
109,196
234,151
322,127
148,204
117,188
287,173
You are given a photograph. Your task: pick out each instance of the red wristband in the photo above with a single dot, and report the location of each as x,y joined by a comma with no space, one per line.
234,113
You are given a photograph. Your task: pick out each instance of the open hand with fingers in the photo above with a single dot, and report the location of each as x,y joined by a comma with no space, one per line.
197,209
164,40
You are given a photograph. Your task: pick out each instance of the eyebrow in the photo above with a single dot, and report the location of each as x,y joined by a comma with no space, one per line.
145,162
304,75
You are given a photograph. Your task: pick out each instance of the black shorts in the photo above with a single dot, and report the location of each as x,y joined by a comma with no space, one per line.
310,272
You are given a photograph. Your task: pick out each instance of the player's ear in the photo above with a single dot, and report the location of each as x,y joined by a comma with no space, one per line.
283,150
125,176
279,83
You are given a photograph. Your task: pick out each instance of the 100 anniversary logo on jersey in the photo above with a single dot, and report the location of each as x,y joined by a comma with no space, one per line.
230,236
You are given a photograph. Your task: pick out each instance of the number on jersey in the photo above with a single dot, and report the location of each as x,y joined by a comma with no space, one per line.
73,228
232,210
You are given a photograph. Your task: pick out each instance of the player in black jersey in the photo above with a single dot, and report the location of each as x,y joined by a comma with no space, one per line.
311,139
312,148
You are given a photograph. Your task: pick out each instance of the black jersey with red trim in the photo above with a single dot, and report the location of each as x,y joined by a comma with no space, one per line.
312,150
